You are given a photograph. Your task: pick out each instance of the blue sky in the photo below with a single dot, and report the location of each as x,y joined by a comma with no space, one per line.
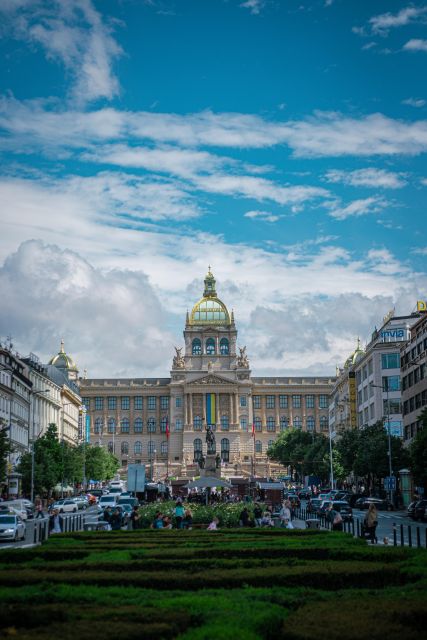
282,142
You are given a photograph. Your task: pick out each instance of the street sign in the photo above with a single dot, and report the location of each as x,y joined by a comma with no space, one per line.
390,483
136,478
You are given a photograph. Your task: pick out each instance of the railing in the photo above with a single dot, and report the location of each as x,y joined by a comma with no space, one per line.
403,535
70,522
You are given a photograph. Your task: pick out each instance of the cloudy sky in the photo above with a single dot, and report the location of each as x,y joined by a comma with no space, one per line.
281,141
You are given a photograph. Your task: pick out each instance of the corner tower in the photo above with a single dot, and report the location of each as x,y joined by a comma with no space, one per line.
210,333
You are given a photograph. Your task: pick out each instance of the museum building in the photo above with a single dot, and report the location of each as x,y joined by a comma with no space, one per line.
163,421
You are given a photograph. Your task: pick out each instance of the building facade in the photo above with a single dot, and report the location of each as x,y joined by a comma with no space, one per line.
413,357
343,399
45,398
210,383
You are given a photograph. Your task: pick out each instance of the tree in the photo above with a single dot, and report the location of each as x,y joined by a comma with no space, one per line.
100,464
48,463
305,453
5,450
418,453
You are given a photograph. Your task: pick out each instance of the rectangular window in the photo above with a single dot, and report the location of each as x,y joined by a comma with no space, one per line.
86,403
99,403
125,403
365,394
323,401
390,361
257,402
178,425
370,368
359,377
359,397
112,403
164,402
243,424
296,402
151,403
243,401
309,402
365,372
178,402
391,407
366,414
137,403
371,411
391,383
270,402
283,402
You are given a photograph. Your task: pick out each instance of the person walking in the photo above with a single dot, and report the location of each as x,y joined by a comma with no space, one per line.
285,516
116,520
187,523
371,523
134,518
335,518
39,511
179,514
244,518
257,515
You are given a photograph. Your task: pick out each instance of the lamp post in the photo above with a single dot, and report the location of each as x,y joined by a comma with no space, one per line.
33,440
390,467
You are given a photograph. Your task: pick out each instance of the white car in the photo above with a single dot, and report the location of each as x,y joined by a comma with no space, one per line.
12,527
66,506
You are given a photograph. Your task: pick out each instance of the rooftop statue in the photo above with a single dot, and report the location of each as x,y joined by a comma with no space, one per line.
242,359
178,360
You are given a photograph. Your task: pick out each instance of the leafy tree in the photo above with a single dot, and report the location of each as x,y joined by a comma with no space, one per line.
347,446
100,464
48,463
5,450
418,453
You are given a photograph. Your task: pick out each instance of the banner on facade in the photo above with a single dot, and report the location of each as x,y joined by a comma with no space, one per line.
210,408
87,428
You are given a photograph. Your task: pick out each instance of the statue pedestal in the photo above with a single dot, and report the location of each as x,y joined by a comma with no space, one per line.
210,470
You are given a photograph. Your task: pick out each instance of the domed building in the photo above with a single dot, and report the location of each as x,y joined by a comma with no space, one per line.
65,364
162,422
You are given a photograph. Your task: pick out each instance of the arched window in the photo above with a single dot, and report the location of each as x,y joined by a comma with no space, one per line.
324,423
197,423
151,425
111,425
110,447
98,425
137,448
258,424
196,349
297,422
151,449
271,424
225,449
258,446
225,424
124,425
137,425
224,347
284,423
210,347
163,423
164,447
310,423
270,443
197,444
244,424
125,447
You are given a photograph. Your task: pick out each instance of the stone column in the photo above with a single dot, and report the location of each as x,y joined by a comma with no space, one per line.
236,407
185,409
230,402
191,409
218,417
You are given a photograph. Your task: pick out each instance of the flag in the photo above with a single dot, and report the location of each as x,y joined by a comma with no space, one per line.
210,409
253,429
167,428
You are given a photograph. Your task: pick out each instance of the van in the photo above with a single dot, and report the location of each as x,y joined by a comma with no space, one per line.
107,501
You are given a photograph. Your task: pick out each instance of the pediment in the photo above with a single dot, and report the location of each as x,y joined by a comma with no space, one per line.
212,379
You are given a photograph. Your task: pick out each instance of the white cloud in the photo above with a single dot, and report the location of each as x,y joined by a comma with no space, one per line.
415,44
383,23
369,177
74,34
264,216
254,6
361,207
33,125
424,182
415,102
105,317
421,251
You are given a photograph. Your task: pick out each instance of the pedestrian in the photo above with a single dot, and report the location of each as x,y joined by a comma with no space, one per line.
371,522
134,518
285,515
55,522
39,510
266,520
257,515
244,518
335,518
116,520
106,516
179,514
187,523
214,524
158,521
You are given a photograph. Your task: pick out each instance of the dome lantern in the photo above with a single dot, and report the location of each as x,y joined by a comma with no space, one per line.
210,310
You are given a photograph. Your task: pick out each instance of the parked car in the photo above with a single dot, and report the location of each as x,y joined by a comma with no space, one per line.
381,505
21,506
411,509
12,527
81,501
339,505
419,509
313,505
110,500
132,502
114,491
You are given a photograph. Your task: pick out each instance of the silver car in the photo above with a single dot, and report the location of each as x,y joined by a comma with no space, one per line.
11,527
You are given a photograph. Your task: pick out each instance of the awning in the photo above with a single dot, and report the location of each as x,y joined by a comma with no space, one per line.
270,486
208,482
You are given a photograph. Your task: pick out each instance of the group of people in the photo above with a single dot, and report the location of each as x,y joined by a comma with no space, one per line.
183,518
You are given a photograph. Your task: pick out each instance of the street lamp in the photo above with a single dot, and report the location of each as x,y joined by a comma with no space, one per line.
33,440
380,386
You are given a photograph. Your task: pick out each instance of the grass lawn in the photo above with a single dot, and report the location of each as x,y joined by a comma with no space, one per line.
194,585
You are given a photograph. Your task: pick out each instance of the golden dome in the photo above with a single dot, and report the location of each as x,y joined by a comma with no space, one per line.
209,310
62,360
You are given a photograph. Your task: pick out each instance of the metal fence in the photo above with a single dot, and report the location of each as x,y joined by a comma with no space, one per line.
70,522
403,534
